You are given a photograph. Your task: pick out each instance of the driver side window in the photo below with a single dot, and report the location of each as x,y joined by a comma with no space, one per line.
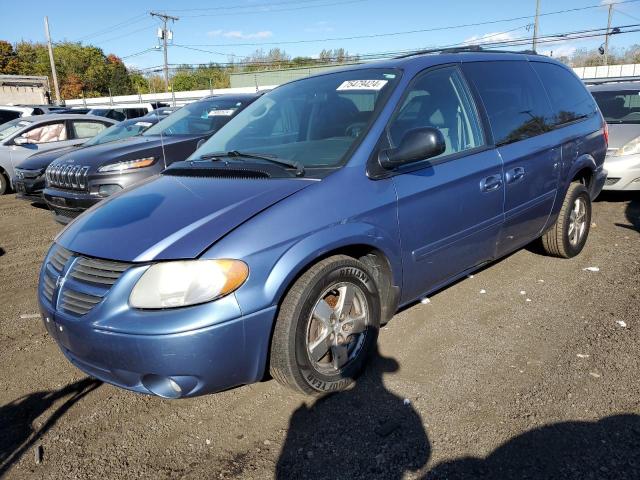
439,99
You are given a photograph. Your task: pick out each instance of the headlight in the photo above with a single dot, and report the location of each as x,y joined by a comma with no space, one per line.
127,165
189,282
630,148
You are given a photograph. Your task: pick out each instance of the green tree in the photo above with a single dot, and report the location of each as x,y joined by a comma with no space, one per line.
9,64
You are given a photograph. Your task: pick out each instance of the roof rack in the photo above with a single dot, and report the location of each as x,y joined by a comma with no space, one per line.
601,81
468,48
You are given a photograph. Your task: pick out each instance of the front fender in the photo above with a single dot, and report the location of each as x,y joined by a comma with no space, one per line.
269,280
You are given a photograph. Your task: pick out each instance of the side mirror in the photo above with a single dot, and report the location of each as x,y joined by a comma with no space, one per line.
417,144
21,141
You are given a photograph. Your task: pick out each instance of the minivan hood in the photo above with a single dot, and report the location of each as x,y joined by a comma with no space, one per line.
127,149
40,161
622,133
172,217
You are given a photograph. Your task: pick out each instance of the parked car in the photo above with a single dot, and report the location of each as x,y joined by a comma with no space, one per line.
30,178
620,105
286,239
122,112
75,110
103,170
10,112
23,137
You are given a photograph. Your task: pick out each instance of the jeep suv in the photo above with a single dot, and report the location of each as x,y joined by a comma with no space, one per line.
285,241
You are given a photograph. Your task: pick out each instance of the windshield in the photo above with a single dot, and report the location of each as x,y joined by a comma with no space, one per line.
621,106
199,118
313,122
119,131
9,128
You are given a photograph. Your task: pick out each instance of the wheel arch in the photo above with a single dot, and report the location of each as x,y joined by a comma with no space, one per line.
379,253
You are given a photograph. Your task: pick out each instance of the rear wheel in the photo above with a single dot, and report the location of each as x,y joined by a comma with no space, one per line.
326,328
567,237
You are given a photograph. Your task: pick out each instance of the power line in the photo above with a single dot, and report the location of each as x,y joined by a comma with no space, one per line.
407,32
242,7
110,29
271,10
546,39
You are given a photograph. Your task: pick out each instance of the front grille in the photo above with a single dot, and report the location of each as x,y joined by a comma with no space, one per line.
60,258
100,272
88,280
77,302
67,176
611,181
48,286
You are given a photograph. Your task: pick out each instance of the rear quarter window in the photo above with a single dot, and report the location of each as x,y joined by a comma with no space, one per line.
570,100
515,101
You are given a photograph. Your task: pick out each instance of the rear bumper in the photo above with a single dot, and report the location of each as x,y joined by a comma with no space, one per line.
598,183
201,361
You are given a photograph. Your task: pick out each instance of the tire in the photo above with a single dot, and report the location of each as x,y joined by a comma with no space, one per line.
567,237
312,319
4,184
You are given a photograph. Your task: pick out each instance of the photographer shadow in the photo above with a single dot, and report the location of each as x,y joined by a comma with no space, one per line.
364,432
17,418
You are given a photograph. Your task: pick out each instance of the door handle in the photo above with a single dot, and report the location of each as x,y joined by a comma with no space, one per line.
514,175
491,183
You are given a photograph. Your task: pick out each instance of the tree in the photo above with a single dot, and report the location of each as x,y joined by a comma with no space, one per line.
9,64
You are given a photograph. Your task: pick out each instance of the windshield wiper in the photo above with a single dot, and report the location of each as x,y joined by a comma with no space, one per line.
268,158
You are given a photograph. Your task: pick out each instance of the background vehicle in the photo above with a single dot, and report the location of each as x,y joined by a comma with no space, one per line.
10,112
30,179
106,169
122,112
22,137
620,104
287,238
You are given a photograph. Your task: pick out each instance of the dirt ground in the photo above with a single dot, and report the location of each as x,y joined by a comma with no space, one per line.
538,377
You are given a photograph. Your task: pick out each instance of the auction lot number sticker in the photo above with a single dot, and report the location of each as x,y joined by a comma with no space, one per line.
361,85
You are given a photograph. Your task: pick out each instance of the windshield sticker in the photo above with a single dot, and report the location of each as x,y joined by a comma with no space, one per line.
362,85
143,124
222,113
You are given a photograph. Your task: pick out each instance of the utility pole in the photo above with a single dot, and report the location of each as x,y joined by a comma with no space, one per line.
606,37
164,35
535,26
53,64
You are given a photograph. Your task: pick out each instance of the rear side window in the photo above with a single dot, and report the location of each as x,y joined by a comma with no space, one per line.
6,115
83,129
570,100
514,99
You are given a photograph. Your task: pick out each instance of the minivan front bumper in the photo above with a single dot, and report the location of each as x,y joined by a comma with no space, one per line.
173,365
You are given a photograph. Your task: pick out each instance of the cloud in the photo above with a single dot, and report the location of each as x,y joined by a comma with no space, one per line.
240,35
565,50
489,38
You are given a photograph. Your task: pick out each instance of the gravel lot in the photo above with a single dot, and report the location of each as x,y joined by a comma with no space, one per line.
501,384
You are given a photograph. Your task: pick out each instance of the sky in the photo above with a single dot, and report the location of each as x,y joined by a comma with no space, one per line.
217,30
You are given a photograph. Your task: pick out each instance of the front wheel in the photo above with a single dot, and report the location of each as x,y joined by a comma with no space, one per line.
326,328
567,237
4,184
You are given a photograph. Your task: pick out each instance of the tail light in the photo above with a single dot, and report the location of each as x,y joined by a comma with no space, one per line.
606,133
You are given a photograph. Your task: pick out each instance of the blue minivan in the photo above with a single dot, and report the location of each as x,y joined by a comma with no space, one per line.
284,242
